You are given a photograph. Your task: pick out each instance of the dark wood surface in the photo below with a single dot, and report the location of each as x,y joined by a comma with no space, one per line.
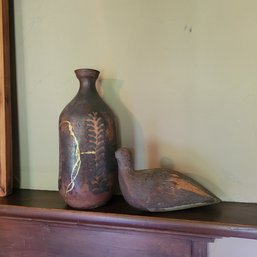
6,177
38,223
41,239
221,220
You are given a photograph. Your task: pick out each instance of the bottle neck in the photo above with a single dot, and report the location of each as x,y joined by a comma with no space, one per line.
87,84
87,79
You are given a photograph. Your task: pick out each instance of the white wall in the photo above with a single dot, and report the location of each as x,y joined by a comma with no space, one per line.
233,247
180,75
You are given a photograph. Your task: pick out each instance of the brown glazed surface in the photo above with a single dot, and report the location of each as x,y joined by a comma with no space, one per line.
87,144
159,190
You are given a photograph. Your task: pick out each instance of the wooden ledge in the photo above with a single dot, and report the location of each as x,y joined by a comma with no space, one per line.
226,219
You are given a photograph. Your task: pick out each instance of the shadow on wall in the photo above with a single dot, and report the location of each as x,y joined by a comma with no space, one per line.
130,132
154,158
15,118
202,176
131,136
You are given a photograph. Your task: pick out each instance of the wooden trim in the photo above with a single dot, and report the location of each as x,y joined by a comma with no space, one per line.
226,219
6,180
199,249
32,238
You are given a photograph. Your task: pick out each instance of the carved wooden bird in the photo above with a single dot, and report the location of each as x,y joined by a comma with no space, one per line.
159,190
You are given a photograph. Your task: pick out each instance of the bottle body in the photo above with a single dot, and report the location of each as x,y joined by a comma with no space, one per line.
87,144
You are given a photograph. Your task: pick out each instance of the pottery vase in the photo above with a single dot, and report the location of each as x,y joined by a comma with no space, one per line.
87,144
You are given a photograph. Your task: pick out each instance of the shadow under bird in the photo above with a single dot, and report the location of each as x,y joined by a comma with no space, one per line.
159,189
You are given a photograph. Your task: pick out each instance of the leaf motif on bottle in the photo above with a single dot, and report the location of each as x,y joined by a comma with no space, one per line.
97,177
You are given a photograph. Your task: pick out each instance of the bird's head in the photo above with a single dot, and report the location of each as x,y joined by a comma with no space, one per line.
124,157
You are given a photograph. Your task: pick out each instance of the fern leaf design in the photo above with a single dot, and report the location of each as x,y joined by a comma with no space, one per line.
97,176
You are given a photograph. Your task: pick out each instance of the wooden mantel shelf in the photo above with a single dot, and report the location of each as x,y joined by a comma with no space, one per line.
38,223
226,219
